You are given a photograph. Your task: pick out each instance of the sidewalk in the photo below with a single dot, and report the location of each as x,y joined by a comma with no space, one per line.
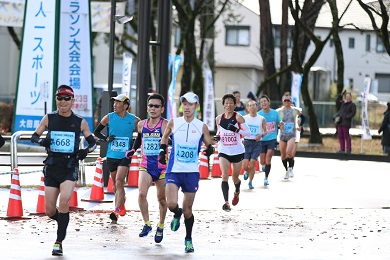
331,209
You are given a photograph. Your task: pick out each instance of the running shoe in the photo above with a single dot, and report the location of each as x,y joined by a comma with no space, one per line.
122,210
246,175
175,223
235,198
286,175
266,182
158,237
114,215
189,246
226,207
290,172
57,249
145,231
250,185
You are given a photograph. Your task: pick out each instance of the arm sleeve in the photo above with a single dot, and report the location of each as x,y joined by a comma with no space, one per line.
91,143
137,142
244,131
98,133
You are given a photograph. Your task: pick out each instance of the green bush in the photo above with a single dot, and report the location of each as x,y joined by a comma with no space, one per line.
6,113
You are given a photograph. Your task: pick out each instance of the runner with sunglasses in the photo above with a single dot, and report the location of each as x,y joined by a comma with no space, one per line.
121,125
289,116
151,170
63,154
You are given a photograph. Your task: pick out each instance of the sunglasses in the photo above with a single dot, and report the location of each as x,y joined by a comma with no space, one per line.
67,98
156,106
287,100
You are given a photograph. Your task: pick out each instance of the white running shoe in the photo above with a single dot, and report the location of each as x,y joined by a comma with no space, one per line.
286,175
290,172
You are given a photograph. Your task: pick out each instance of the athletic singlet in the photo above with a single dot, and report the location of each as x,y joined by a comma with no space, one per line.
230,143
122,128
65,134
150,145
288,117
272,120
255,124
186,143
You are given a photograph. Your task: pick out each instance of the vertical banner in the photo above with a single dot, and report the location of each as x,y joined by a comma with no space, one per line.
208,89
36,65
366,129
171,104
126,74
296,82
74,60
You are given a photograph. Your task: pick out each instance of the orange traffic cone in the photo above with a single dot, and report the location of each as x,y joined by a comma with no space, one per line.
257,166
97,191
231,170
203,167
73,203
110,185
41,198
216,170
132,178
15,208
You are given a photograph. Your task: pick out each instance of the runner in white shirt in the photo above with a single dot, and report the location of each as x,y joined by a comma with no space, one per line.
257,127
231,126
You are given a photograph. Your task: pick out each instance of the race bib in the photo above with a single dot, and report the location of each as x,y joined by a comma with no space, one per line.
120,144
62,142
151,146
270,127
288,127
187,153
255,129
229,139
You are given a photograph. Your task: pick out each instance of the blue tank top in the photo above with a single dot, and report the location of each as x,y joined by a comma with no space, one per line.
122,128
272,120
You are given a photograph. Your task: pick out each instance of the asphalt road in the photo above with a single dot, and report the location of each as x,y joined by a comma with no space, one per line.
331,209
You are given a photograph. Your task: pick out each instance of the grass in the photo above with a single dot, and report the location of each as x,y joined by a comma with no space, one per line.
330,144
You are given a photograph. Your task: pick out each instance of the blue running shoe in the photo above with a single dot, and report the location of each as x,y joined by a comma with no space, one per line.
159,235
246,175
250,185
175,223
189,246
145,231
265,182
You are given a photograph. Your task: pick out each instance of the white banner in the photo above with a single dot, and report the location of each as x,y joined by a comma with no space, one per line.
171,104
74,59
126,74
366,129
208,90
296,82
12,12
36,65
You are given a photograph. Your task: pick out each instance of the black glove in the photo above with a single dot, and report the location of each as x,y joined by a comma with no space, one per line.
110,138
82,154
232,128
162,155
209,150
45,142
217,138
129,153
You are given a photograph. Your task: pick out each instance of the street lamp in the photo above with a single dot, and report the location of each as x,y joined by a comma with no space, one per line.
121,19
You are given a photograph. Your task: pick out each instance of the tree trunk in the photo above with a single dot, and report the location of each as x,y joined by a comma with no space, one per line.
267,50
285,78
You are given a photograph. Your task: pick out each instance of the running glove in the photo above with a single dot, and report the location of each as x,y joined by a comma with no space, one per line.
129,153
217,138
82,154
110,138
209,150
163,153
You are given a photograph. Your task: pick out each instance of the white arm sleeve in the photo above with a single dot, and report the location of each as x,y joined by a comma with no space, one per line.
245,130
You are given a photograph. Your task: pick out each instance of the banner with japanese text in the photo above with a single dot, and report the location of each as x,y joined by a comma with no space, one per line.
74,58
208,90
171,104
296,82
366,90
36,65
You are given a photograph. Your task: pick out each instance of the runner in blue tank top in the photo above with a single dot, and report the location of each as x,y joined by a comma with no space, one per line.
187,133
121,125
268,142
150,132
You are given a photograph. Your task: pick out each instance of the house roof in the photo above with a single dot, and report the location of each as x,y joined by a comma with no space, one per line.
355,14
